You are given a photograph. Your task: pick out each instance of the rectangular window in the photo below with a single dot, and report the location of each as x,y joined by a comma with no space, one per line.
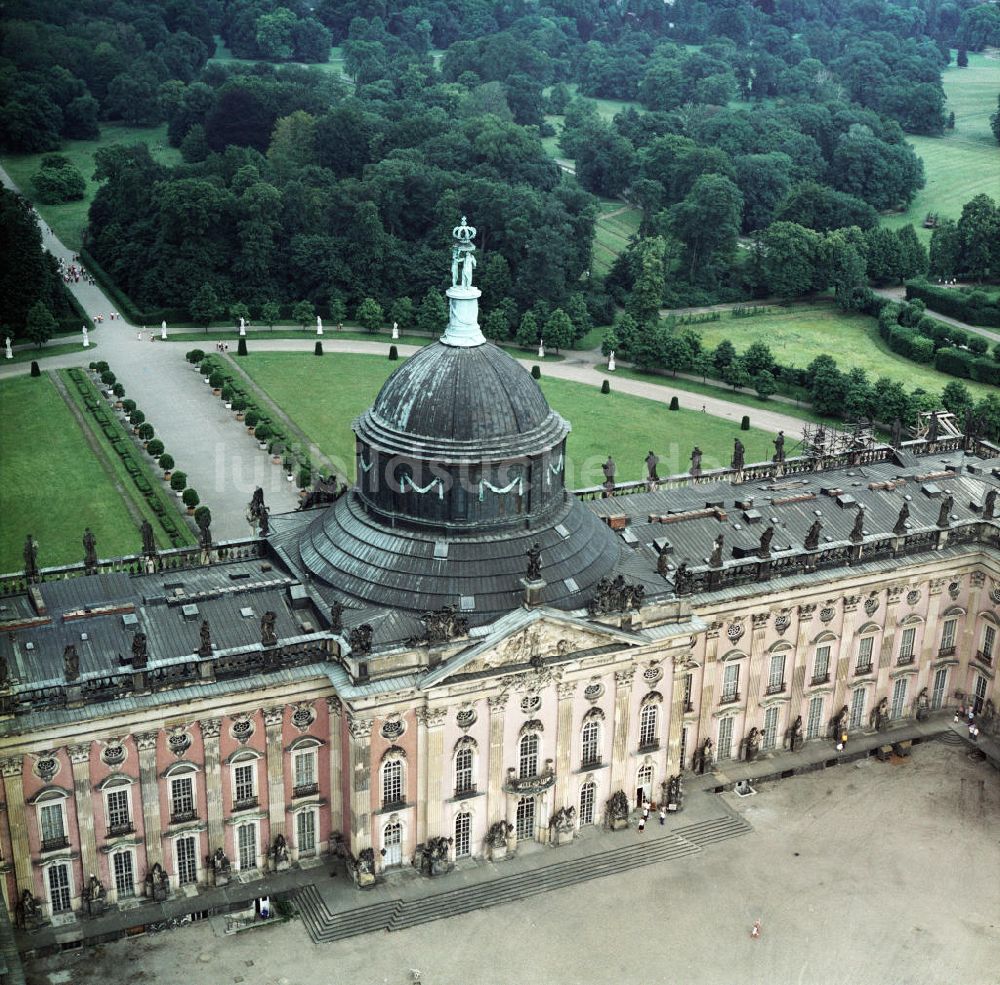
948,634
187,866
940,683
857,707
182,797
821,668
865,646
776,677
815,718
591,736
898,697
463,771
647,726
463,840
906,645
51,823
305,832
243,786
124,874
59,888
725,738
989,643
118,809
246,843
305,768
770,728
731,682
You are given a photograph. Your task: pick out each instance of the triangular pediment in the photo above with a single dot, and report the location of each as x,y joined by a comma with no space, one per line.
527,634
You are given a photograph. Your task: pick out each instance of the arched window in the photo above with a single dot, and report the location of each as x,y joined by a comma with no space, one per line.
648,721
463,770
588,794
591,743
463,840
392,782
528,754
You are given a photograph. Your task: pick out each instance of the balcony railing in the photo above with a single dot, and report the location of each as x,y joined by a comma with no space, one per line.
649,745
179,817
54,844
529,784
821,678
305,789
590,762
905,658
987,658
729,697
125,828
946,651
394,805
465,789
775,688
862,669
245,803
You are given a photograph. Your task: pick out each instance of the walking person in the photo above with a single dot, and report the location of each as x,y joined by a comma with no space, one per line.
755,930
642,824
663,815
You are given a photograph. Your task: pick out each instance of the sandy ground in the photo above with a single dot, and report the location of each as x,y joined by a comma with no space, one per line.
869,874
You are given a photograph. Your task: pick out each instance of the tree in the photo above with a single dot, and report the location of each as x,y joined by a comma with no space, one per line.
41,326
401,312
605,161
270,312
979,237
527,331
274,35
736,375
432,315
191,498
559,330
238,310
758,357
495,326
963,58
647,293
369,315
707,222
790,259
204,307
293,143
724,355
58,181
995,121
310,41
956,398
609,342
765,384
303,313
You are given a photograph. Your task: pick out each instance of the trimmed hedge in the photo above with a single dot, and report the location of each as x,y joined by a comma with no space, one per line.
974,307
124,304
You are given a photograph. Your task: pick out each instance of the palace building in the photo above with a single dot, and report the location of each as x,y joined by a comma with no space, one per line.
461,648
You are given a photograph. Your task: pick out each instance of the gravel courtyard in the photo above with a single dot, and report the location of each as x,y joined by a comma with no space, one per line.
867,874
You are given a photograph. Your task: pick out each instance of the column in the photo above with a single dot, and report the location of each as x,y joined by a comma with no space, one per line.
496,800
150,791
755,671
12,768
361,801
623,717
273,720
210,729
335,708
79,756
432,770
564,744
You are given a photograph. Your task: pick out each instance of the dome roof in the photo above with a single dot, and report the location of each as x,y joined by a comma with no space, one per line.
451,394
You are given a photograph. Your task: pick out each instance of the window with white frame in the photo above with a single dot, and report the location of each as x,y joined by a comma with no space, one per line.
304,768
244,784
948,634
776,675
588,794
770,727
731,682
463,770
906,644
940,689
117,802
187,860
52,824
463,835
591,743
392,782
821,666
528,756
898,697
857,707
989,644
648,722
305,832
60,889
815,717
725,744
865,646
123,867
246,846
182,797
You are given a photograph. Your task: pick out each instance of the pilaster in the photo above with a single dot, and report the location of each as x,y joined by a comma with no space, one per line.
12,768
79,756
755,671
210,730
676,723
845,653
623,718
564,743
335,710
707,687
431,770
361,803
150,789
931,636
496,800
273,720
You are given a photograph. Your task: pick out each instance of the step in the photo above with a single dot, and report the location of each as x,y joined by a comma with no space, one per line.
324,926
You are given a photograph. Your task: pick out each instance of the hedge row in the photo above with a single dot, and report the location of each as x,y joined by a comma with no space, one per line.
962,363
123,447
974,307
123,303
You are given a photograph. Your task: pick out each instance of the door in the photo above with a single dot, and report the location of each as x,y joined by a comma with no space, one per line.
463,840
898,698
246,842
59,887
857,707
644,786
940,683
124,875
526,819
815,717
725,750
187,868
770,727
392,842
980,699
305,832
587,803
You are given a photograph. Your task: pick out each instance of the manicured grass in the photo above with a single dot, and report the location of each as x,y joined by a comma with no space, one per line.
27,355
616,225
592,339
349,384
69,220
232,335
224,56
799,333
53,486
964,162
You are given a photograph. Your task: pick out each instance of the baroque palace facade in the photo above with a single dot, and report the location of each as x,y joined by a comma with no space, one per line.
459,650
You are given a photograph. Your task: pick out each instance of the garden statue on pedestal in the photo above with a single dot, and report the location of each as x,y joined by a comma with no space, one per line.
795,735
163,330
95,897
28,912
319,325
86,338
278,855
432,856
364,868
157,883
221,867
879,718
71,663
616,811
395,331
703,757
611,362
496,839
923,705
752,744
652,461
562,825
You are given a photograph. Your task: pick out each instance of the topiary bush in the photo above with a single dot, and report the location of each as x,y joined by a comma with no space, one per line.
227,393
536,372
101,366
155,447
675,404
35,371
166,462
263,431
190,498
195,356
202,516
305,477
118,390
745,423
239,404
108,378
318,348
251,419
128,406
179,481
605,387
137,417
216,379
241,348
393,352
146,431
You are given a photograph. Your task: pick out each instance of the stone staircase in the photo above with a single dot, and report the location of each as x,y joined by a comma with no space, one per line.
392,915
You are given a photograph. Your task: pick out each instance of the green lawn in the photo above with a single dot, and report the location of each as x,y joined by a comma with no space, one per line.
965,161
69,220
224,56
349,384
30,355
53,486
613,231
799,333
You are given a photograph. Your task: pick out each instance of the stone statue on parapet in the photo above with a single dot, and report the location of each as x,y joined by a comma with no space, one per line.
148,539
715,560
71,663
268,637
30,555
812,536
904,515
651,463
779,448
205,644
534,555
764,549
944,514
857,531
696,461
89,550
739,454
